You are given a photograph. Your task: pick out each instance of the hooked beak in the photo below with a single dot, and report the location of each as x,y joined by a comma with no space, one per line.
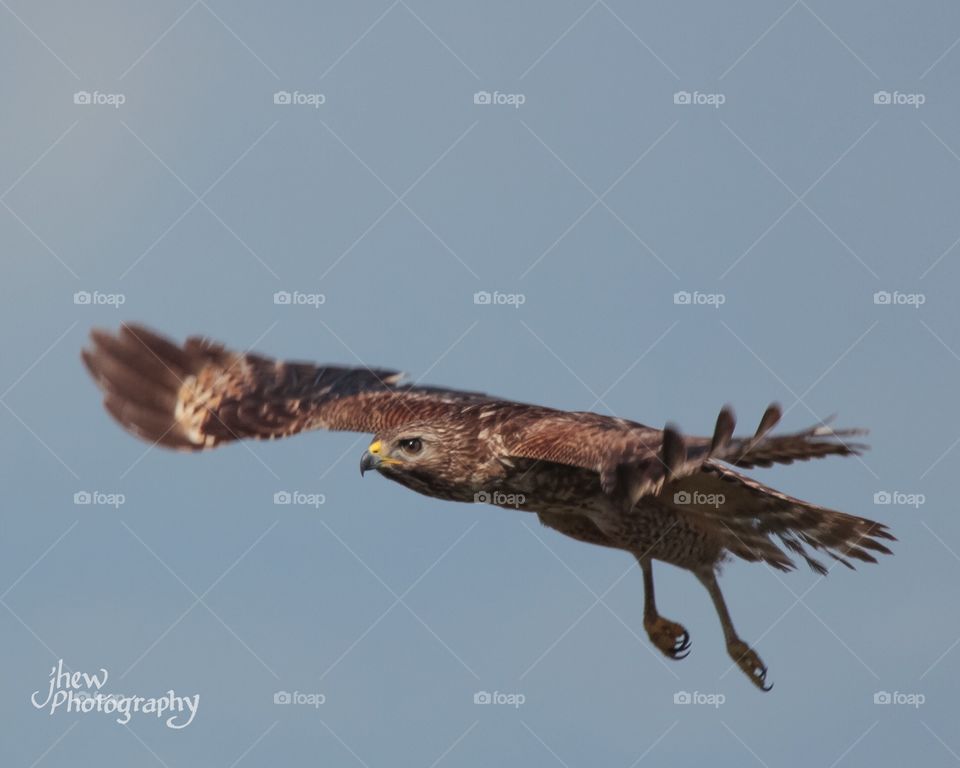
368,461
373,458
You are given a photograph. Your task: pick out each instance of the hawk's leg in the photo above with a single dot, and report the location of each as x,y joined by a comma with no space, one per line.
745,657
668,636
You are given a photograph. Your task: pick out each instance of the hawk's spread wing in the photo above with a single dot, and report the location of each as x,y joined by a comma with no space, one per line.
201,394
634,460
741,515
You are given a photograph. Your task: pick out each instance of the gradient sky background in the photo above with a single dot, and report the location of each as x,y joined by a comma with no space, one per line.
397,199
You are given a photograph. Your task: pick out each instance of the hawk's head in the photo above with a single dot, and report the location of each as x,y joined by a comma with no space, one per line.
427,458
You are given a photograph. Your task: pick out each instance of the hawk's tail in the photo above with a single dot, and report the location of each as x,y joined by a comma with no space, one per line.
752,514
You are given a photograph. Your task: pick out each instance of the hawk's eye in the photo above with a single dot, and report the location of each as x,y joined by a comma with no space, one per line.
411,445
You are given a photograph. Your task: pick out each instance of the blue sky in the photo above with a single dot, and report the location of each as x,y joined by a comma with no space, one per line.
793,170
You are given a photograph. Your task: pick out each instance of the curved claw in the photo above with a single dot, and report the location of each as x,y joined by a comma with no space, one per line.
669,637
750,663
759,678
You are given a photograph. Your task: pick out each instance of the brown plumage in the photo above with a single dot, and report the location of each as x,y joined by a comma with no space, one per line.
599,479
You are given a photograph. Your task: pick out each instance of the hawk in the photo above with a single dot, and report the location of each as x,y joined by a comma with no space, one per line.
599,479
